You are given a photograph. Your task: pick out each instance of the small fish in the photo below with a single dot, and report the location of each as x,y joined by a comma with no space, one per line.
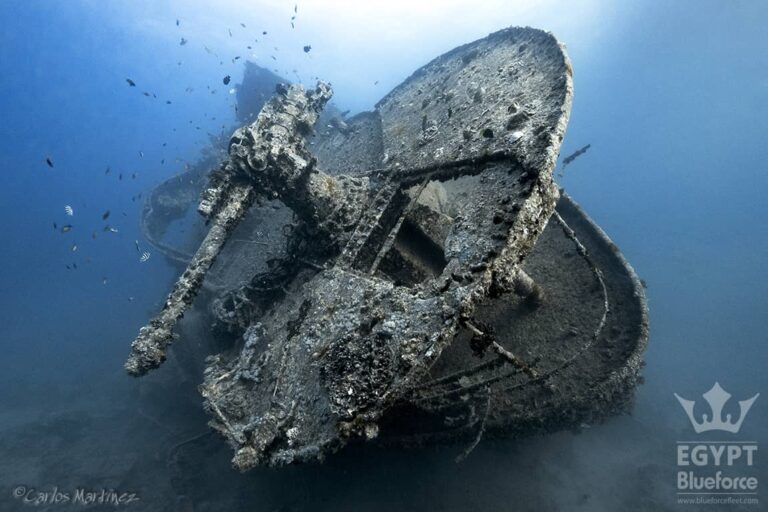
105,215
136,242
295,7
103,280
226,80
133,176
570,158
49,162
69,211
141,154
242,25
264,33
120,177
110,229
55,227
74,247
177,23
230,32
107,171
66,228
307,48
144,257
74,266
236,57
167,102
130,299
182,42
145,93
131,83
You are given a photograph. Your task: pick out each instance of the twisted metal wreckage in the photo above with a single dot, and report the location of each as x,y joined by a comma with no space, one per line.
434,283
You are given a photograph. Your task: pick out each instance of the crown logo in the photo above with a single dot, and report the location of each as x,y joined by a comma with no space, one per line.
716,398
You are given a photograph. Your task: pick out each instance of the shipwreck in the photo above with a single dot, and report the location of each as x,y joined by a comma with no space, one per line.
411,274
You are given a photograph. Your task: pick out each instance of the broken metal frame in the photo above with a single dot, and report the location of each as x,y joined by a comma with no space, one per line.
430,391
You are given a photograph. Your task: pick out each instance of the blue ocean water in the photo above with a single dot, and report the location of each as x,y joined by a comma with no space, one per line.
672,98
